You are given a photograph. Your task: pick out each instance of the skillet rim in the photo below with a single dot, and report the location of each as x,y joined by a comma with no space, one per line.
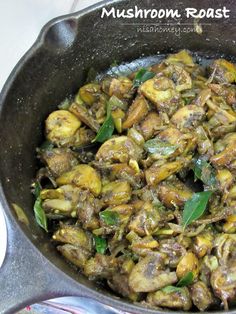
109,300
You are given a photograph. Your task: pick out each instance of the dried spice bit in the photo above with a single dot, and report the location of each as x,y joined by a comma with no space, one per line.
21,215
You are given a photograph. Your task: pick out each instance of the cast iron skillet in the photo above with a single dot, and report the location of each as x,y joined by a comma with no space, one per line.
52,69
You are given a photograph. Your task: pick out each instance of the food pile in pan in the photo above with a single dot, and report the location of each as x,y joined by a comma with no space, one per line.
142,193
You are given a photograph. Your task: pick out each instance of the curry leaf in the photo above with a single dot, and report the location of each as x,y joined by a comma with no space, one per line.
195,207
186,280
183,282
156,146
170,289
107,129
37,189
40,215
187,100
109,217
205,172
100,244
142,76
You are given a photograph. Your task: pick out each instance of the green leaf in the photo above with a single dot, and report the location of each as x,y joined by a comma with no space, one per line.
106,130
109,217
40,215
195,207
170,289
156,146
187,100
37,189
100,244
142,76
186,280
205,172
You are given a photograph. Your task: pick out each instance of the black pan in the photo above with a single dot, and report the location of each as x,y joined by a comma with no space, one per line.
52,69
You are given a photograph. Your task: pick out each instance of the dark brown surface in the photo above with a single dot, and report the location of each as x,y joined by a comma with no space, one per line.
54,68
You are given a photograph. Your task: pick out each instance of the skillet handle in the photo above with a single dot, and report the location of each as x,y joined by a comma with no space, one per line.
26,277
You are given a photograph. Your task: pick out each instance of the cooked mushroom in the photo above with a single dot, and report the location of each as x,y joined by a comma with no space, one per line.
138,183
148,275
61,126
178,300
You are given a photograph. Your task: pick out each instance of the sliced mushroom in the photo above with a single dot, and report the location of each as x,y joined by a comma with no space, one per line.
82,176
148,275
178,300
119,149
137,111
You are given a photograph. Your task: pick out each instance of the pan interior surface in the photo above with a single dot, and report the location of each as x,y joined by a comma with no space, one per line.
56,67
